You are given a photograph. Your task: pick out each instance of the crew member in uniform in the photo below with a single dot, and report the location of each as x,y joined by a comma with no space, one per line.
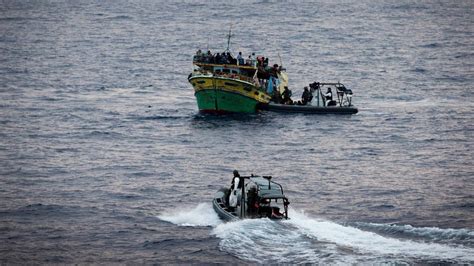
235,188
329,101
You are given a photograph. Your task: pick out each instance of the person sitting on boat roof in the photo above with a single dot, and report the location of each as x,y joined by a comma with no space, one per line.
306,97
240,59
198,56
218,59
248,62
207,58
254,60
224,58
231,59
287,96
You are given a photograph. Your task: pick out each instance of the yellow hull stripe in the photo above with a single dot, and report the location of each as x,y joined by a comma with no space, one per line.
230,85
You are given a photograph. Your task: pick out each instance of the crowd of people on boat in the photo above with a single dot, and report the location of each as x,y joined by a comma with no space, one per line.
227,58
267,75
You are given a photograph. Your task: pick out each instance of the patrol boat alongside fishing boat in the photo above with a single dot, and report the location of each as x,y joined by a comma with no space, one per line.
251,197
226,84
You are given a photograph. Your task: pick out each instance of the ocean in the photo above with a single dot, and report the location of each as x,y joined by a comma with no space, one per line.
104,157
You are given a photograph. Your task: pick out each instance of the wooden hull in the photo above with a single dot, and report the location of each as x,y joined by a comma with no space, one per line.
226,95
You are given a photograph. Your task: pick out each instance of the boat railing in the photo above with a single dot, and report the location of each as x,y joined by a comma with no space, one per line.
211,64
228,75
234,76
201,72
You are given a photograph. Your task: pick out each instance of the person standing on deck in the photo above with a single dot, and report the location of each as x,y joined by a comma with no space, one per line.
248,62
254,60
240,59
287,96
306,97
235,187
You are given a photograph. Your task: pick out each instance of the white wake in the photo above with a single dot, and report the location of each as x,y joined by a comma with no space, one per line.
201,215
304,239
365,242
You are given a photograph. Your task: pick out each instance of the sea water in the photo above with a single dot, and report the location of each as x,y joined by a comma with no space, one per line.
104,157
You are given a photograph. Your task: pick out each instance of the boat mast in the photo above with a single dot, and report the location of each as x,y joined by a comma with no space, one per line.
243,197
228,38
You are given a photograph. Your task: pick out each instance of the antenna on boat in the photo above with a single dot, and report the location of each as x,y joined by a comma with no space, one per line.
243,196
228,37
269,177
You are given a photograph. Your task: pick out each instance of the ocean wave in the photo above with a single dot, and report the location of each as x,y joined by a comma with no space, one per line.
431,45
119,17
161,117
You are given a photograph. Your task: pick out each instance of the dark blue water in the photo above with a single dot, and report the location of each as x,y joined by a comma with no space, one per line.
104,158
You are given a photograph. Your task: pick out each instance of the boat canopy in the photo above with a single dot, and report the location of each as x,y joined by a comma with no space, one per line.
343,95
267,189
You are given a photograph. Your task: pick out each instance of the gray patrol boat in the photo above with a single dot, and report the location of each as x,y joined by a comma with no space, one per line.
251,197
338,101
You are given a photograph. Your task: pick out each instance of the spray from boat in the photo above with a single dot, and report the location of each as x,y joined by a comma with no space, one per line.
201,215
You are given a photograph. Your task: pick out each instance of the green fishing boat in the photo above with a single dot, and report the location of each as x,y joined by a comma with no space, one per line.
226,84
